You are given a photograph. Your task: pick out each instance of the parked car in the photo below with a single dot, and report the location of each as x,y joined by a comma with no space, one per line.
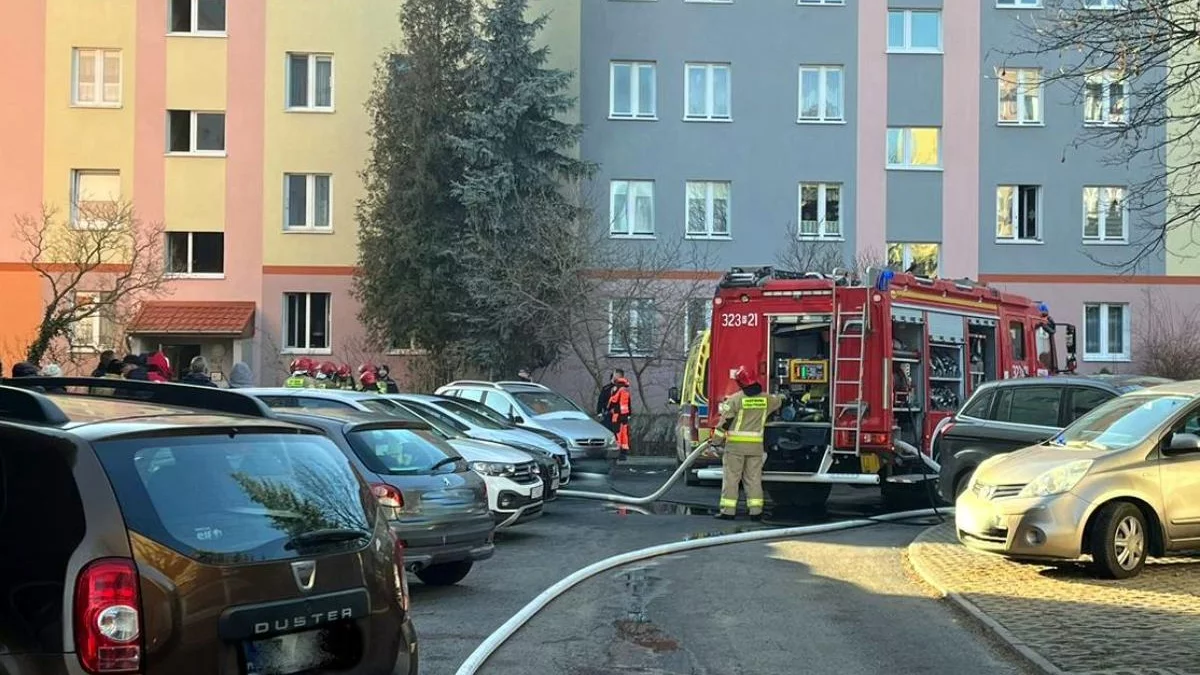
484,428
168,511
1007,415
476,406
535,405
1120,483
437,506
515,489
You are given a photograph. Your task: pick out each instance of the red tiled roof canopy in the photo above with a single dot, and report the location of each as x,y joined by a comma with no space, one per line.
225,319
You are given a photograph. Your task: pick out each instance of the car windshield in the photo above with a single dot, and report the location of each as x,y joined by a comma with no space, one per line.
1120,423
402,452
472,416
430,412
544,402
237,497
431,417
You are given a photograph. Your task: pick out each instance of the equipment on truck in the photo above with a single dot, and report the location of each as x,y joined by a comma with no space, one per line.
869,367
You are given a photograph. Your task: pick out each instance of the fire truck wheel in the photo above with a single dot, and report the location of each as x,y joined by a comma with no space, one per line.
798,495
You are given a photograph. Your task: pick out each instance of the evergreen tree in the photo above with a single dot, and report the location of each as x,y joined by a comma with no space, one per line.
516,151
410,220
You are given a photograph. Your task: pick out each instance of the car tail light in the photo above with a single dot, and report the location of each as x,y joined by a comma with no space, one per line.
401,577
107,617
387,495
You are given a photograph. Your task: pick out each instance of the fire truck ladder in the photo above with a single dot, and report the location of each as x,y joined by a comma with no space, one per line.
855,343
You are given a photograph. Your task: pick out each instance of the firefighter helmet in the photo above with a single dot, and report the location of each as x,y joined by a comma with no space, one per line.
344,370
745,377
328,369
367,379
366,368
302,365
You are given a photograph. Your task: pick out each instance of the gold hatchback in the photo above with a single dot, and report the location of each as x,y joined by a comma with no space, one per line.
1120,484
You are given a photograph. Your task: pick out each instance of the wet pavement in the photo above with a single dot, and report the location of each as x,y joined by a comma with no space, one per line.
840,603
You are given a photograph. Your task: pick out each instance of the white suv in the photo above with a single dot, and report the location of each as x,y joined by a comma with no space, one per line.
538,407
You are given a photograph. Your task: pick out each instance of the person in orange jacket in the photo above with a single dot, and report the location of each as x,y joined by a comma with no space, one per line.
619,411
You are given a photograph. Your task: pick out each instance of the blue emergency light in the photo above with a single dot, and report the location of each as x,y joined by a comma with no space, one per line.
1043,308
885,278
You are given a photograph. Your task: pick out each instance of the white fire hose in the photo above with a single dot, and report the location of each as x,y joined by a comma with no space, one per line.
493,642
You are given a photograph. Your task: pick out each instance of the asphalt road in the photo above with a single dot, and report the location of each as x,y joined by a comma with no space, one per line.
840,603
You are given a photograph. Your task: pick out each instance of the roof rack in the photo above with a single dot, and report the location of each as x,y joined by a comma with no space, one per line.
523,383
474,383
188,396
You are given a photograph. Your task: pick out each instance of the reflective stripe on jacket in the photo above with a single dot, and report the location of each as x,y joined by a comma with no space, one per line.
748,415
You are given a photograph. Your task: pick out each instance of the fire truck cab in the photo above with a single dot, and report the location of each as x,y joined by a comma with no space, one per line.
869,366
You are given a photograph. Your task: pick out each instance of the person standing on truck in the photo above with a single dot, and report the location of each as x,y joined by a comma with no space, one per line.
740,432
620,412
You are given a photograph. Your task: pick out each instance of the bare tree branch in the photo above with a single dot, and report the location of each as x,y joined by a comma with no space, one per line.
1165,338
824,256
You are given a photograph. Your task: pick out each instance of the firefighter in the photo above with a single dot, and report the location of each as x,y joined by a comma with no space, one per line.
368,381
619,412
325,375
300,374
739,436
343,378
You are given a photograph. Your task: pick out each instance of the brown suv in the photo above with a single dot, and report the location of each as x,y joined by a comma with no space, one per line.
174,529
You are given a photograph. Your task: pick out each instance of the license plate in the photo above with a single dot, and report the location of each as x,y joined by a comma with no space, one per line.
554,484
536,493
286,654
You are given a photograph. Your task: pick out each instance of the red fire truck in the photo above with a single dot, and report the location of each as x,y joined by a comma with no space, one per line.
870,366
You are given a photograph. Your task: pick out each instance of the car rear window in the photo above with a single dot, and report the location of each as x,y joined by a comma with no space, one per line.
544,402
236,498
401,452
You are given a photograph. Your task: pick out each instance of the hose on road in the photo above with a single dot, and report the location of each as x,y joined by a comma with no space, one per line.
493,642
648,499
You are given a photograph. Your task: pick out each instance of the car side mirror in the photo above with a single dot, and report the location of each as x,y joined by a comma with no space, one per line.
516,419
1183,443
673,395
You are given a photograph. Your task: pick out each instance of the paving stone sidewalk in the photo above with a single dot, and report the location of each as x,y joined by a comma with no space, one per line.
1064,620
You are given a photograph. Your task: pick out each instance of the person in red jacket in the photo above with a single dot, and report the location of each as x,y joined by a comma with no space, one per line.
619,411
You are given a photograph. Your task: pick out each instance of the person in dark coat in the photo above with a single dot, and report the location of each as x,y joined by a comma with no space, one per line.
386,384
24,369
106,356
603,411
134,368
198,374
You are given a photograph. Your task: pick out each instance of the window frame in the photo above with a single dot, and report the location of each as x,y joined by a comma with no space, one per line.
1018,4
821,3
633,312
709,210
635,90
907,144
1108,356
689,305
194,22
1015,221
1073,391
630,209
1102,216
1022,95
190,257
823,72
1107,78
709,91
906,47
193,132
74,216
100,57
1105,5
310,204
906,254
1014,392
95,343
311,85
822,211
287,319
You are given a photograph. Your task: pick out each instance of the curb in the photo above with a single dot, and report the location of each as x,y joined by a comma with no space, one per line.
1030,655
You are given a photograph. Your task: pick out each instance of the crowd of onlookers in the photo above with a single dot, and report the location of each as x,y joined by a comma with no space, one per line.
150,367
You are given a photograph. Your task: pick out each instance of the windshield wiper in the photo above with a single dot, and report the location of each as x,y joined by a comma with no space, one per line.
328,536
443,462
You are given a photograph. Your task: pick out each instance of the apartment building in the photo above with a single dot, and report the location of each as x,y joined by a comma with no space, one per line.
893,128
238,125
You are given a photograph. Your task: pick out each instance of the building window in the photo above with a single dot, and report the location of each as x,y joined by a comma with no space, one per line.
821,94
914,148
1106,331
1024,4
631,208
97,78
1018,211
632,87
1105,216
820,2
307,201
194,132
1020,96
708,208
310,82
697,319
1106,4
922,260
914,31
197,16
1105,99
708,91
195,254
820,211
631,327
96,329
94,198
306,321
